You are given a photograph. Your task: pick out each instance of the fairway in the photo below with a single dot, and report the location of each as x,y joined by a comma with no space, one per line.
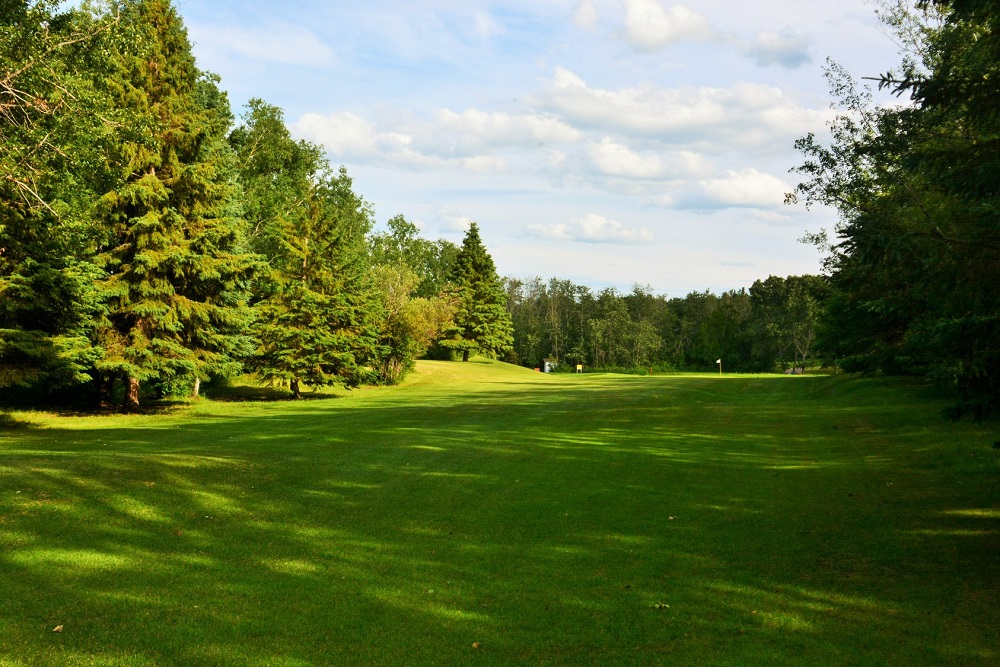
486,514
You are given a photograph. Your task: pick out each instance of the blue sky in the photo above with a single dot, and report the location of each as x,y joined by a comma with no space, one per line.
610,142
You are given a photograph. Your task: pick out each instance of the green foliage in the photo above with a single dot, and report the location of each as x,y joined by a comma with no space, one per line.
317,313
276,174
318,323
481,323
143,243
55,119
412,323
785,319
914,270
176,271
775,325
430,261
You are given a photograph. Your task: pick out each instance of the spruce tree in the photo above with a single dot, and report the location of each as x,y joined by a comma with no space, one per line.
482,323
173,266
318,324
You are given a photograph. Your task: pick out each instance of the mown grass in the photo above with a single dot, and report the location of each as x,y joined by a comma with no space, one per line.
482,514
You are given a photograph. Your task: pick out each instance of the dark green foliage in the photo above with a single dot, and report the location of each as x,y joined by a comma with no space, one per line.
318,324
772,327
145,247
917,261
317,312
55,117
175,269
482,323
785,320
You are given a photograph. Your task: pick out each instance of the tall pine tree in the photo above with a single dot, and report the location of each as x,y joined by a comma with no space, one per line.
482,322
55,118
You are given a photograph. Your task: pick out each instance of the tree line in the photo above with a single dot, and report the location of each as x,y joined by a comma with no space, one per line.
772,326
914,262
150,241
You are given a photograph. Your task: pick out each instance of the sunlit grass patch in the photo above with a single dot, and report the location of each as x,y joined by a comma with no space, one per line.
547,519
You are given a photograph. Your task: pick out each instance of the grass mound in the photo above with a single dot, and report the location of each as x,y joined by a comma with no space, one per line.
487,513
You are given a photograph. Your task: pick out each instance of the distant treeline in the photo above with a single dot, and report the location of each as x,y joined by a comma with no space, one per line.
771,327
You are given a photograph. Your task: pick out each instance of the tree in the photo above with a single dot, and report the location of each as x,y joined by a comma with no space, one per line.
276,174
430,261
411,323
55,117
482,323
215,275
317,325
172,259
784,320
914,266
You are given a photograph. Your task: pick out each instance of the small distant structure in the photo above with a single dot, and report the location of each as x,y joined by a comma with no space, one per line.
794,371
549,365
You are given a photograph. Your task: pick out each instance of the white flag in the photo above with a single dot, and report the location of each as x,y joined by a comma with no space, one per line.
718,361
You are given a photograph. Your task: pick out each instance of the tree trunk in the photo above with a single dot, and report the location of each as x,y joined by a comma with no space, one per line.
294,386
104,392
465,355
197,387
132,394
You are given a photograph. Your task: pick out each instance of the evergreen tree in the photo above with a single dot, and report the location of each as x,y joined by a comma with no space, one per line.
482,322
173,263
318,324
214,277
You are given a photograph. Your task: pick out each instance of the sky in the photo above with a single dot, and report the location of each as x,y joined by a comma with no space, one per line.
608,142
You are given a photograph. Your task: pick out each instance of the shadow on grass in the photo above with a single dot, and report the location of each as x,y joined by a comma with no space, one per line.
609,523
247,393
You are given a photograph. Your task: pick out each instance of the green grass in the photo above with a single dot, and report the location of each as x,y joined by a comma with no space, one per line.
568,519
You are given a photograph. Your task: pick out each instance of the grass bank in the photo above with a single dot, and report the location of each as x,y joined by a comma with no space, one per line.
485,514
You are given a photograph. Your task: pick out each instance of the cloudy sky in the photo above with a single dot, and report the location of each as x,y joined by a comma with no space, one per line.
610,142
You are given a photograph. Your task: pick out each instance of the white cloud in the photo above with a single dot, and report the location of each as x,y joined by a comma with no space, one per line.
340,133
455,222
483,164
282,44
748,187
618,160
474,140
786,48
746,114
614,159
649,26
591,228
585,15
474,130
